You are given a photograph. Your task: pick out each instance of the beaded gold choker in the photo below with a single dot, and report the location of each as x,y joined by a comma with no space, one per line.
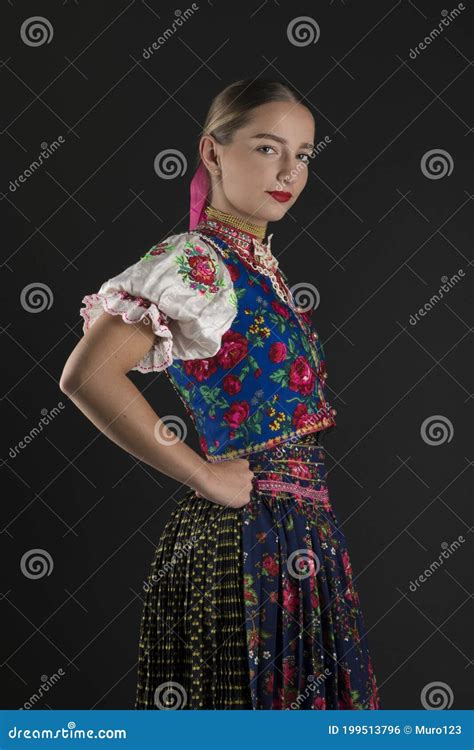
234,221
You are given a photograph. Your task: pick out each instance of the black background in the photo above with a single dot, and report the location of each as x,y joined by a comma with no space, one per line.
371,232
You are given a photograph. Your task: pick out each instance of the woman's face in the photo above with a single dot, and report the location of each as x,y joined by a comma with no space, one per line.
255,164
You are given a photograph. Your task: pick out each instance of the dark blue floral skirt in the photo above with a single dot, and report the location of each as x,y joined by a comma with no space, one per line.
256,607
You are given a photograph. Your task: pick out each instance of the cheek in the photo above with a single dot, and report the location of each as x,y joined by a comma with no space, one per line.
248,168
303,180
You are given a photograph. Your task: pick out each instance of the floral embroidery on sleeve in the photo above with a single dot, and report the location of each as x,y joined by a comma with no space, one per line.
196,266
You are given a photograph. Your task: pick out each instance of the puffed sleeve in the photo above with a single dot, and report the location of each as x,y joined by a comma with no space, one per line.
183,287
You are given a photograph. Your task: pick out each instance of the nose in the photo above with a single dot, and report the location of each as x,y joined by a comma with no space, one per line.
289,173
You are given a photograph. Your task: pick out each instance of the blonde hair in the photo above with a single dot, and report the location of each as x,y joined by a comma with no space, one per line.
231,109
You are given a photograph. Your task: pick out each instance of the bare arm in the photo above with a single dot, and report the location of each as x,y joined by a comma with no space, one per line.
95,379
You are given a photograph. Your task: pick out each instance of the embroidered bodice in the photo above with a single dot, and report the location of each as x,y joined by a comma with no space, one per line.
246,362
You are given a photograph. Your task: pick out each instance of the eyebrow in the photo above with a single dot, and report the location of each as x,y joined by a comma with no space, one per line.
280,139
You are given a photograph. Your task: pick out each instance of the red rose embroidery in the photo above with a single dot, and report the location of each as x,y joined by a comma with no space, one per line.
314,600
277,352
203,269
158,250
302,377
283,311
299,469
201,369
347,564
234,348
298,413
319,703
237,413
306,316
233,271
308,420
231,384
270,565
290,596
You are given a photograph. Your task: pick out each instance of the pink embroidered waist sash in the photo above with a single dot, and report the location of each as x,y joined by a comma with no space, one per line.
295,468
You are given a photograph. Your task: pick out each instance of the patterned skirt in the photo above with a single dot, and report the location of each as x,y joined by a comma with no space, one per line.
255,607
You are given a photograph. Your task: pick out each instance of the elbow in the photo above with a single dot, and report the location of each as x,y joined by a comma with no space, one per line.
70,380
67,383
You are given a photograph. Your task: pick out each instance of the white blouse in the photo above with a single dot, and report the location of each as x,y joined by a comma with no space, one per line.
184,289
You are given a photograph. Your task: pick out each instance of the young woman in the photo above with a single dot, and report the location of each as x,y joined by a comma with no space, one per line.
250,600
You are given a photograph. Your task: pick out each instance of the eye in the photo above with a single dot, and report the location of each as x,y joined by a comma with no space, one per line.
260,147
306,157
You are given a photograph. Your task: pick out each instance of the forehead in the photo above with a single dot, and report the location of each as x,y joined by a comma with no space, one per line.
292,121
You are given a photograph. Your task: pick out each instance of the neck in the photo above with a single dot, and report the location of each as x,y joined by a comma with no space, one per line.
244,225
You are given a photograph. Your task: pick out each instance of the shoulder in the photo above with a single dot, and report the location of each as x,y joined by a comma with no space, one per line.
184,287
192,260
182,263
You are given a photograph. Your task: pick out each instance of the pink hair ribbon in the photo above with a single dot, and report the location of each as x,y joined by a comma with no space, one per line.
199,190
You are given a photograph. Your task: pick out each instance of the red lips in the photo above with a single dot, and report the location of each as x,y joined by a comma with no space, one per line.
279,195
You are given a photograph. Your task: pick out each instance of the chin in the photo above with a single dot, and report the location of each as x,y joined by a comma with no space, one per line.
270,210
276,211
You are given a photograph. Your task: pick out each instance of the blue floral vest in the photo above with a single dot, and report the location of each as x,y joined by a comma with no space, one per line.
266,383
